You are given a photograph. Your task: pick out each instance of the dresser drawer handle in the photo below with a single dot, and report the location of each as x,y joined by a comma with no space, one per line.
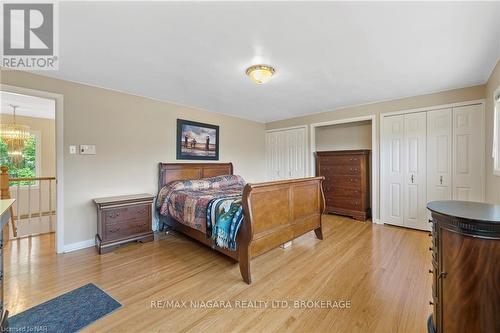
431,303
431,271
114,214
442,274
430,248
114,230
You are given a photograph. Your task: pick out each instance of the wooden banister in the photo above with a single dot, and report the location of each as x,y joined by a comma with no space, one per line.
30,179
4,183
5,194
26,183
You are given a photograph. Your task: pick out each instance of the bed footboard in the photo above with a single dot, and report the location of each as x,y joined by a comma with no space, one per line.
277,212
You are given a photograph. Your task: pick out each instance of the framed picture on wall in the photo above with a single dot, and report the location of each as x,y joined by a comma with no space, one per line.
197,141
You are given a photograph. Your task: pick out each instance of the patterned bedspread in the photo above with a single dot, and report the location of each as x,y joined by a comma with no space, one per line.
187,201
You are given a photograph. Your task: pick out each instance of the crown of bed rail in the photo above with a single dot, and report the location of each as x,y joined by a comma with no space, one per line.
169,172
286,181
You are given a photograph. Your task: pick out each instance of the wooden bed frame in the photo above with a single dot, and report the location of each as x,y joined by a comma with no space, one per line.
274,212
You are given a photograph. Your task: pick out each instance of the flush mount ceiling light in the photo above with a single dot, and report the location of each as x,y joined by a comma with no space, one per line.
260,73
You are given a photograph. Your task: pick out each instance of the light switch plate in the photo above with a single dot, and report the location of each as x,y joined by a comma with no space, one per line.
87,150
72,149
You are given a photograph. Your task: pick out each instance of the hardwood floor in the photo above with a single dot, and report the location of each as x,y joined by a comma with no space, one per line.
381,270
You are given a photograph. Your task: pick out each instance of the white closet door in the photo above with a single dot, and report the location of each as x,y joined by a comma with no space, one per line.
439,153
414,166
296,155
271,155
275,155
282,156
286,154
468,153
392,168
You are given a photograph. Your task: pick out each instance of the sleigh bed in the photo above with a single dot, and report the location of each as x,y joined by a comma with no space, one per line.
273,212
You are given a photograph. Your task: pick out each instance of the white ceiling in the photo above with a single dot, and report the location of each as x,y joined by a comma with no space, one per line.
28,106
327,55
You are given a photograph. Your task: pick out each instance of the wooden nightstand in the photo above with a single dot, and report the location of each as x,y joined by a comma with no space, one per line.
123,219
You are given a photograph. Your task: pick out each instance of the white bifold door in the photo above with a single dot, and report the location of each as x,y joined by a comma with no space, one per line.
439,153
414,186
468,153
286,154
427,156
404,168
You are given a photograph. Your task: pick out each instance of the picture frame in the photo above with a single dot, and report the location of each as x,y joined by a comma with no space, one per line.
197,141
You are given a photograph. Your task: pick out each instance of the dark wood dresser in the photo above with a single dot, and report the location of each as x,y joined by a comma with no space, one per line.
123,219
465,267
347,181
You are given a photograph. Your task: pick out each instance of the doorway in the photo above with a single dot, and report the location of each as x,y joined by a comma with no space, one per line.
32,174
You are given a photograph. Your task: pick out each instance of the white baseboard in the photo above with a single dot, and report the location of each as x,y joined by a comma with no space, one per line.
377,221
78,245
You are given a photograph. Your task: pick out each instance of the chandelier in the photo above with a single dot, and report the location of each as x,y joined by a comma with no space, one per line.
15,137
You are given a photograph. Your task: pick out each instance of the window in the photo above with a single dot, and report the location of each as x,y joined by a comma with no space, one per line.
496,132
29,166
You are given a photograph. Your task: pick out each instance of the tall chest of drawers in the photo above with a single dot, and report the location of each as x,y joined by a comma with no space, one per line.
346,186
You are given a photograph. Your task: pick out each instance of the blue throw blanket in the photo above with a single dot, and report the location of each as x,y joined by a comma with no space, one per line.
224,217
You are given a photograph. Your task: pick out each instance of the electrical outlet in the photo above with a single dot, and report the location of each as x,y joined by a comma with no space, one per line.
87,150
72,149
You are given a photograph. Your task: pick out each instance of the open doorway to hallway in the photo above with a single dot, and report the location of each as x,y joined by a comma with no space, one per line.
29,167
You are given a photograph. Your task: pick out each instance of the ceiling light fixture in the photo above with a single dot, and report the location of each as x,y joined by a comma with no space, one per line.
260,73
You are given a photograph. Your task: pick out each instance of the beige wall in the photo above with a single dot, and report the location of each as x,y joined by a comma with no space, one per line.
357,135
132,135
47,130
492,181
445,97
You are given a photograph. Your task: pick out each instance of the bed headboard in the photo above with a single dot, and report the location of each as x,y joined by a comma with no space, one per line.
182,171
